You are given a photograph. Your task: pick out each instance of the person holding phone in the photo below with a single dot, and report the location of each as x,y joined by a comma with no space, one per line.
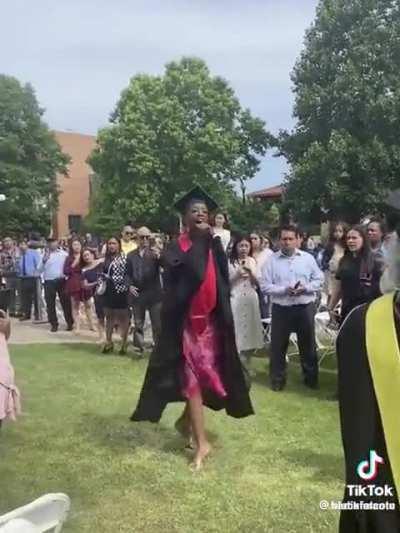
52,268
292,279
244,299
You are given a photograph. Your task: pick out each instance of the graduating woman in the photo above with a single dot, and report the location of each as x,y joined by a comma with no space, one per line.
195,359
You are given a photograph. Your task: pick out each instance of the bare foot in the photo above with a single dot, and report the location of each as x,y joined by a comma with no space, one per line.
182,426
201,454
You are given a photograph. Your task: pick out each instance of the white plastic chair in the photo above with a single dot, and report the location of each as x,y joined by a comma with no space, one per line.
325,334
47,513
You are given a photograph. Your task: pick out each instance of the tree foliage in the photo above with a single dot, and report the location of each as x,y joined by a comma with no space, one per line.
29,161
254,215
167,133
345,150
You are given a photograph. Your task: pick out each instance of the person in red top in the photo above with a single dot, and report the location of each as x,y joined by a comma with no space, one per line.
73,285
195,359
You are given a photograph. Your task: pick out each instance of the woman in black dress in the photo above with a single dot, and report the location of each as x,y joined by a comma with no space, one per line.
358,274
116,295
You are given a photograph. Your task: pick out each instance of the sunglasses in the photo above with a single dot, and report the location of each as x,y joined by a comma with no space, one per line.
145,237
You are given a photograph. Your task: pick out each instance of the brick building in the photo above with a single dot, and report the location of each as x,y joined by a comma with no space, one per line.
75,188
272,194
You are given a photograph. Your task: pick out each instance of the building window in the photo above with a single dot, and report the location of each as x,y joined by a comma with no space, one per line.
74,222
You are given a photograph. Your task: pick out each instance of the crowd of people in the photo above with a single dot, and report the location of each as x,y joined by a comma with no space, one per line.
208,294
113,284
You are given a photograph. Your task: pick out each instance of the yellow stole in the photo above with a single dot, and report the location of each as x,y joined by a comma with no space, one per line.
384,362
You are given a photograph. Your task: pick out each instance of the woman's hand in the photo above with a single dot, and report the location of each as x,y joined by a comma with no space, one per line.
244,272
156,252
134,291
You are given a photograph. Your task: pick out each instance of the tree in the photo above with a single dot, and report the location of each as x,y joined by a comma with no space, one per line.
344,151
254,215
29,161
167,133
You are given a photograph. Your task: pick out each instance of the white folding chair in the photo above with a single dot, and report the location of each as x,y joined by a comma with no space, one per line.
325,335
266,325
47,513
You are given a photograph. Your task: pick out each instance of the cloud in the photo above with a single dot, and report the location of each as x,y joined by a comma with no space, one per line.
79,55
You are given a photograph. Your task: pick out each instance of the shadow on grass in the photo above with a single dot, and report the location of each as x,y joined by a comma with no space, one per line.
121,435
90,348
325,467
296,387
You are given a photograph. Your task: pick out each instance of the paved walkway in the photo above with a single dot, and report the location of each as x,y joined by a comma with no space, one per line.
39,333
30,333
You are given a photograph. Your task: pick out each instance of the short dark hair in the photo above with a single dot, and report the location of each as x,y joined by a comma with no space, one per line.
380,223
289,227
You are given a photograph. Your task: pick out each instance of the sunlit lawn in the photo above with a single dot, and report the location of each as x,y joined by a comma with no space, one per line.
268,472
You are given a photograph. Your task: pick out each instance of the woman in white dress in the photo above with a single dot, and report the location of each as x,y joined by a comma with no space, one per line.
244,299
219,230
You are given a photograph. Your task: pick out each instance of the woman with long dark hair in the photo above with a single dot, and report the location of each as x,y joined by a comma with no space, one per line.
115,298
195,359
91,273
244,299
332,255
73,285
358,274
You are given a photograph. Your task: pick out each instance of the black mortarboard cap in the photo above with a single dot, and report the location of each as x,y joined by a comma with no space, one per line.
195,194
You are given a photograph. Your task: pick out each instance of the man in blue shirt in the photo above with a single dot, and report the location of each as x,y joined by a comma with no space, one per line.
292,279
27,271
52,268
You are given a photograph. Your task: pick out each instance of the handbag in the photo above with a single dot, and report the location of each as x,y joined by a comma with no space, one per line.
102,283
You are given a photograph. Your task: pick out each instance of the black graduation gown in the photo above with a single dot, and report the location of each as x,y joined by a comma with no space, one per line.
362,429
184,273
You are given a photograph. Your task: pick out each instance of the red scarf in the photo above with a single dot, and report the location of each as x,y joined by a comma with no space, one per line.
205,299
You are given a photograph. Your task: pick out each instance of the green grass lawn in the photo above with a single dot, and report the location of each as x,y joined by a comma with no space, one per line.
267,474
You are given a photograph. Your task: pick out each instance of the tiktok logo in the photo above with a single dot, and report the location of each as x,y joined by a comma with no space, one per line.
368,470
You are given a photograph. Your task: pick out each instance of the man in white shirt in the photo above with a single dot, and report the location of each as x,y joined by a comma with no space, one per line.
52,268
292,278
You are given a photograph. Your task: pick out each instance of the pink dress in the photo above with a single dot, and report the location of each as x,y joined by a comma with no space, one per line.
9,394
201,343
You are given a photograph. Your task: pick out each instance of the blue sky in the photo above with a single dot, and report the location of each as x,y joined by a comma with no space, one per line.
80,54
